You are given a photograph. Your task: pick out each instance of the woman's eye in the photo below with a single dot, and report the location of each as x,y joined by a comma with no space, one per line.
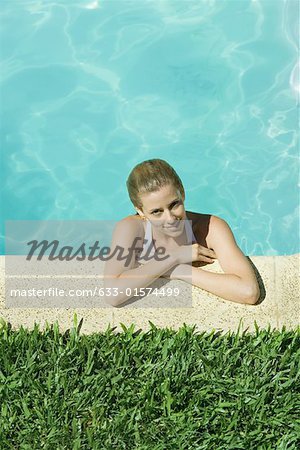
174,205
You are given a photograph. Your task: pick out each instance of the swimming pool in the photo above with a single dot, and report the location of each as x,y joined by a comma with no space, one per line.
91,88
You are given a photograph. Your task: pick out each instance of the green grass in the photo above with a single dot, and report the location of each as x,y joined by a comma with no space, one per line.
156,390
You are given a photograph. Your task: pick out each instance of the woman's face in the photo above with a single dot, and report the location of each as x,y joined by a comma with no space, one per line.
164,209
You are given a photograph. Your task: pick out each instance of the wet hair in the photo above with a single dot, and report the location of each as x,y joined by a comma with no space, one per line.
149,176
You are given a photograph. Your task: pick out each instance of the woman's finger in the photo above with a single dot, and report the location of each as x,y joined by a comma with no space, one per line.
207,252
206,259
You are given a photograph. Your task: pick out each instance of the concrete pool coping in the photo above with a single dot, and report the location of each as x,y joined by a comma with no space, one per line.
278,306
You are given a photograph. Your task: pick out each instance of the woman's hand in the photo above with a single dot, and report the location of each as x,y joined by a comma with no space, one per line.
194,255
195,252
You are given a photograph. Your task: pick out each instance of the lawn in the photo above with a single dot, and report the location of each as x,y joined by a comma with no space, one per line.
156,390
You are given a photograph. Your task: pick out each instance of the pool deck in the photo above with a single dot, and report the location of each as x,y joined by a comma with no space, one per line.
278,306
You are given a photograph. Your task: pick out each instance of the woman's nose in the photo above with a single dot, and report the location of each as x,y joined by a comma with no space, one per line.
169,217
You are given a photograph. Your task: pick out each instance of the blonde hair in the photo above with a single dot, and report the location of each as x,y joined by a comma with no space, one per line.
150,176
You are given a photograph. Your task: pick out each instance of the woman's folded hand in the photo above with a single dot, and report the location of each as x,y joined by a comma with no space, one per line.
194,253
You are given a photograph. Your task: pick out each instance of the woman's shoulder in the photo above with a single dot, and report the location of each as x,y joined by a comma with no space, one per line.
133,218
134,221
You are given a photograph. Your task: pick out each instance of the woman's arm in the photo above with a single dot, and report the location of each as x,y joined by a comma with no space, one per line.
238,282
134,279
120,275
228,286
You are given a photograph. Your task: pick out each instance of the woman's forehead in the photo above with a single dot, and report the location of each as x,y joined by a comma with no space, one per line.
164,194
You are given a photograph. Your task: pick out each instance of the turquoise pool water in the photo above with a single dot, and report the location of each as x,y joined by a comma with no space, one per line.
91,88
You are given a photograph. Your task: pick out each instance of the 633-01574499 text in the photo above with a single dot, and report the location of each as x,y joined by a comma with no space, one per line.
141,292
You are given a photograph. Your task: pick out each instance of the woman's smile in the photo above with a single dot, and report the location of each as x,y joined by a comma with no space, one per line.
174,226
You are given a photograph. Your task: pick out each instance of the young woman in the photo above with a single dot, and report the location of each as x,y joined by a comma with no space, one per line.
173,243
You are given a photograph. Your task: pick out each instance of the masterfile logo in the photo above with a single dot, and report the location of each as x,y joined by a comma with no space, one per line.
61,264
